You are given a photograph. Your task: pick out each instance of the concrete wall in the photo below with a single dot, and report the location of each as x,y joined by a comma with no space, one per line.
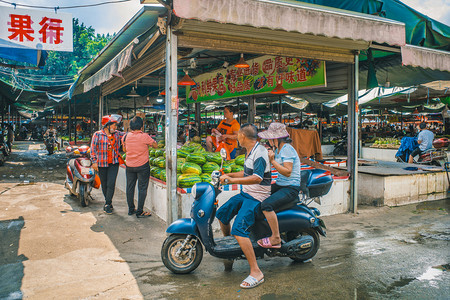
378,154
337,201
401,190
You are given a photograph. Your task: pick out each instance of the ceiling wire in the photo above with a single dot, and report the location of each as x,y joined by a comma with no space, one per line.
64,7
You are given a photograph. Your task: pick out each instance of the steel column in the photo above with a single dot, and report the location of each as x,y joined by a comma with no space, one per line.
251,110
171,124
352,132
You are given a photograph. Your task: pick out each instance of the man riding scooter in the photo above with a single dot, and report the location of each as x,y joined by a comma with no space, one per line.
425,141
255,181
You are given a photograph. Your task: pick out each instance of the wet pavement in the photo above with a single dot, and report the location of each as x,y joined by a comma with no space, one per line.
52,248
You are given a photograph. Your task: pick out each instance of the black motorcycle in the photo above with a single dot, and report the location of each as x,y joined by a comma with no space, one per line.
340,148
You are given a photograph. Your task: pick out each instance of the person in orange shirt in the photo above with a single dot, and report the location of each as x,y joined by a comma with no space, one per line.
226,132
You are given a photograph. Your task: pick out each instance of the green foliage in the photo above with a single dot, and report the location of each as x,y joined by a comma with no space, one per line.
86,45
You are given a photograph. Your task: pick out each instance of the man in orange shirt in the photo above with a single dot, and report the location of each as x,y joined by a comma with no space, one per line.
226,134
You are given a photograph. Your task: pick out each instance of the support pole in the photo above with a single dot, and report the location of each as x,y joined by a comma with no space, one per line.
251,110
100,111
198,121
69,121
75,122
239,109
91,123
280,111
352,130
171,124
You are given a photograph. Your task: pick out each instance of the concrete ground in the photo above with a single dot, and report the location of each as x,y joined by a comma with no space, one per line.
52,248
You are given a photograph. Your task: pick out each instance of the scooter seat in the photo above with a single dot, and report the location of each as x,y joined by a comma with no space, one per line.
228,246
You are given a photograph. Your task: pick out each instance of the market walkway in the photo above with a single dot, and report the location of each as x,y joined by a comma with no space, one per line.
51,248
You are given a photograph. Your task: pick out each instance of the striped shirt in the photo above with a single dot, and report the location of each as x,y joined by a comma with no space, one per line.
257,163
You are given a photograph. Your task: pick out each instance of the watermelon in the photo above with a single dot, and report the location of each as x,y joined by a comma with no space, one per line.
158,172
188,180
151,153
191,168
162,175
196,158
226,169
159,152
180,159
240,160
205,177
182,153
161,144
229,162
161,163
209,167
236,168
153,171
188,149
213,157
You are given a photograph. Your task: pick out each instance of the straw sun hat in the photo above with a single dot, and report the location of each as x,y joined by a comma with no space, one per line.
275,131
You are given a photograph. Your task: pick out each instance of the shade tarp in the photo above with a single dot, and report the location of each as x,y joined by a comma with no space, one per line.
365,96
294,16
421,30
426,58
112,68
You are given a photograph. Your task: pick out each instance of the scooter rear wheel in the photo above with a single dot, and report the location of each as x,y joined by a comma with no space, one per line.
305,254
179,259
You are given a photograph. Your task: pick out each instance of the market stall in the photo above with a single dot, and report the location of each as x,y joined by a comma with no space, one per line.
186,41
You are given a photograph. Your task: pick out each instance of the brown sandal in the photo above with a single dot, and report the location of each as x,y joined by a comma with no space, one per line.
144,214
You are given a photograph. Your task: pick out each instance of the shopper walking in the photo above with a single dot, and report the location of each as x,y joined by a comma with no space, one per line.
105,157
135,144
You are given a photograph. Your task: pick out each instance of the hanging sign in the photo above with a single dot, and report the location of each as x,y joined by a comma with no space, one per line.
261,77
36,29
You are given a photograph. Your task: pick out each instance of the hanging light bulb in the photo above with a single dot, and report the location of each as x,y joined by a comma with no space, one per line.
133,92
242,63
279,89
385,112
186,80
159,99
147,103
416,111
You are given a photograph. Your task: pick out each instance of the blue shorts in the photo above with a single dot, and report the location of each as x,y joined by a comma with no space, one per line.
244,207
233,154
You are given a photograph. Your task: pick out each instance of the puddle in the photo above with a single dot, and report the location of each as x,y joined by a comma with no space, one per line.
442,205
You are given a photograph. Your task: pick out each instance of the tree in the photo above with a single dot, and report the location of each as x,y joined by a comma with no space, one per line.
86,44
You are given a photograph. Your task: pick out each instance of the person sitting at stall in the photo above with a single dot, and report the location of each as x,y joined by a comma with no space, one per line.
425,141
225,135
285,160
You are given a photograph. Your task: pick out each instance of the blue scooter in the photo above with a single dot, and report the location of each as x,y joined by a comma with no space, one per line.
300,227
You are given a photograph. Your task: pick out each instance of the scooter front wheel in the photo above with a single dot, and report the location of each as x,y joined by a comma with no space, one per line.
82,195
181,253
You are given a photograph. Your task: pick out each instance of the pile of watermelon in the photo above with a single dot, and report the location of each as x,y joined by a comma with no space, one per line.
194,164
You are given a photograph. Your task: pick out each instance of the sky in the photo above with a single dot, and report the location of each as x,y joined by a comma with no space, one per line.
111,18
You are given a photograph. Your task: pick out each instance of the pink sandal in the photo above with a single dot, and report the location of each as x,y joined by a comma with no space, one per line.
265,243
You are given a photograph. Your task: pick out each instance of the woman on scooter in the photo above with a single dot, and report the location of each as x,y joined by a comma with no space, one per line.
105,157
285,160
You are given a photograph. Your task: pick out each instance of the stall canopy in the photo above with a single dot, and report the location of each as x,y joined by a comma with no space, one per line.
21,54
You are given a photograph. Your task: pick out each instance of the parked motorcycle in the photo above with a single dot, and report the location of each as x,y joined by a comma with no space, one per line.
435,156
2,156
300,227
340,148
80,177
5,149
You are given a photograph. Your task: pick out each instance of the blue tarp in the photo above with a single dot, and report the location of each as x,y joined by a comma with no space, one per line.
19,53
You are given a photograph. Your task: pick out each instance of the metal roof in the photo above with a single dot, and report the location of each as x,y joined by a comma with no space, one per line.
142,21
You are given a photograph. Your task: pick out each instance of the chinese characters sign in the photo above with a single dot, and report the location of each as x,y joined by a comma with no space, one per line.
37,29
261,77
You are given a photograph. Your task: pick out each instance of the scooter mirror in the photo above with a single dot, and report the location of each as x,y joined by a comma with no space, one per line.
223,153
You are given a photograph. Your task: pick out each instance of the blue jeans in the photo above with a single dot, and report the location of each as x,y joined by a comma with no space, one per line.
244,207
